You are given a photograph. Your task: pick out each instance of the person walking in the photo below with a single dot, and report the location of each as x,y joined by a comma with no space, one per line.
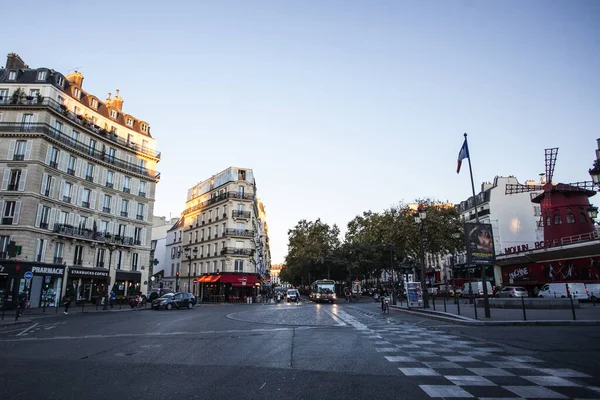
66,303
113,298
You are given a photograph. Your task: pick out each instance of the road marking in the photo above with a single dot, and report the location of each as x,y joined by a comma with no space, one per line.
263,385
28,329
351,320
335,318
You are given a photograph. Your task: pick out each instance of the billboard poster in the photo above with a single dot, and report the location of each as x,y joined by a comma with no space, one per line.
480,244
414,293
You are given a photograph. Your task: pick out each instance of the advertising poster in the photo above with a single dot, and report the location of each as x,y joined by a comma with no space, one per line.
413,293
480,244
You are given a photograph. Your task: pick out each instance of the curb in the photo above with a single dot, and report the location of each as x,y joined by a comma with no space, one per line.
461,320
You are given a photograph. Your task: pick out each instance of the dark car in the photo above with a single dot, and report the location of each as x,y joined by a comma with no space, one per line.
174,300
157,292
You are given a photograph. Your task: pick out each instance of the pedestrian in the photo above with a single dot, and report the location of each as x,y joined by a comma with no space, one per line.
66,303
21,303
113,298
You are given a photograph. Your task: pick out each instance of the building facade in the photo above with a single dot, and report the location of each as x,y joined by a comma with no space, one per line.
78,188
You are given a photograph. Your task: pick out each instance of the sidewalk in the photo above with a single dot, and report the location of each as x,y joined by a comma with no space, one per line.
586,314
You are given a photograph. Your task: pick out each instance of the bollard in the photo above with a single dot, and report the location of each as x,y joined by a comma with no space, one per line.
475,308
572,308
445,301
433,301
458,304
523,306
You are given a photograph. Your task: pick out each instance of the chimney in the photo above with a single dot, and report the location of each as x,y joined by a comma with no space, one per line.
117,102
13,61
108,100
76,78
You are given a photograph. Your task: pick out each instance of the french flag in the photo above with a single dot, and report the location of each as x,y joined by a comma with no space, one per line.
462,154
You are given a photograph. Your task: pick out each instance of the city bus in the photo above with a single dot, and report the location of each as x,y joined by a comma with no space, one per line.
322,290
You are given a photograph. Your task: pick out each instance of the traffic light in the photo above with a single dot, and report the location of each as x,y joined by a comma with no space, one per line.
177,273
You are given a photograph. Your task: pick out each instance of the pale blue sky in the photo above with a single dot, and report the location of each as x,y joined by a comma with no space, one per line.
338,106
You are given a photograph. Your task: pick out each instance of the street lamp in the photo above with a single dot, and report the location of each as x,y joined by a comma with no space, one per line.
592,212
188,255
391,247
420,217
111,248
595,172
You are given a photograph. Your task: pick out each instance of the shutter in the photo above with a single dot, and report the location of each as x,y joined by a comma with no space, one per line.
77,220
93,200
89,223
52,218
96,173
80,198
23,180
44,251
62,188
48,155
132,209
100,201
44,183
143,236
62,165
70,219
78,168
19,118
2,207
146,212
5,179
135,186
113,205
103,182
38,217
28,149
111,227
74,195
17,213
11,149
116,181
52,184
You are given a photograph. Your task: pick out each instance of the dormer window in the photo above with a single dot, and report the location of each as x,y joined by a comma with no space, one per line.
12,75
113,114
144,128
60,81
41,75
76,93
129,122
94,103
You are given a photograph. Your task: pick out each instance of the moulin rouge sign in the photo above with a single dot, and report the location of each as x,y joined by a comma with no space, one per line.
525,247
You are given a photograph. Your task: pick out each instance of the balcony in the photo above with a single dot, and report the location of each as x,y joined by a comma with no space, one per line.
18,157
89,234
217,199
124,214
67,199
139,217
240,232
81,121
109,185
71,171
126,190
58,260
236,251
106,210
85,204
240,214
57,136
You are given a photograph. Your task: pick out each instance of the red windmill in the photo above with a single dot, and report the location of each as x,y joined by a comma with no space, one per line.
563,206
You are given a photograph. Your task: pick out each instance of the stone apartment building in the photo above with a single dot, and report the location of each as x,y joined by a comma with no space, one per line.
77,191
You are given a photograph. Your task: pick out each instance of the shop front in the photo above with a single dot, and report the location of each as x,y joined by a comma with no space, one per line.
43,283
87,284
228,287
127,283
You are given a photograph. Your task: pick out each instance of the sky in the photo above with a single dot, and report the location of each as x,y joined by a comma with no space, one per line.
339,107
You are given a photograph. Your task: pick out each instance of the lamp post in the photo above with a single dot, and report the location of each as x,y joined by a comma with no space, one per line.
111,248
391,247
188,255
420,217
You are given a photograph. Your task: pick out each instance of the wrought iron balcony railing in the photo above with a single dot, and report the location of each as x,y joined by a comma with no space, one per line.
240,214
217,199
240,232
236,251
89,234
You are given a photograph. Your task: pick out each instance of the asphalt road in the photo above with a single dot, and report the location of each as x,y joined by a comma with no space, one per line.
305,351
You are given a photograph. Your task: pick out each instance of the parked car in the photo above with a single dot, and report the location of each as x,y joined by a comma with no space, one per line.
559,290
174,300
513,291
477,288
154,294
292,295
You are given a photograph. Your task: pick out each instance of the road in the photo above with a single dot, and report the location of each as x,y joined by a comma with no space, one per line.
304,351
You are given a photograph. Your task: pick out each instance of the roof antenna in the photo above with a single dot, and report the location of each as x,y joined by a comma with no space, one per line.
74,69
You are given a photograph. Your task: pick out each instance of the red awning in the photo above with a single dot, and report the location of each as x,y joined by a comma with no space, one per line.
209,278
237,279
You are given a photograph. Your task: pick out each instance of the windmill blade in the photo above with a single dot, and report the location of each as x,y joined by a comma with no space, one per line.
512,188
550,163
585,185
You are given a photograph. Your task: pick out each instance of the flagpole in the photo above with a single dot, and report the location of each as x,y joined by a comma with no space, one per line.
486,302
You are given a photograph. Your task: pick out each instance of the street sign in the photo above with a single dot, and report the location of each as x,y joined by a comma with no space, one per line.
28,275
195,281
47,279
357,282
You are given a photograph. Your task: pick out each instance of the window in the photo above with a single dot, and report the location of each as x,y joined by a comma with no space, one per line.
121,232
144,128
10,214
40,250
44,217
124,207
3,97
140,212
85,198
67,189
129,122
58,126
12,75
202,234
222,265
137,236
100,256
77,110
127,184
118,259
144,145
20,148
134,261
92,147
111,155
106,204
209,229
14,179
241,191
41,75
48,185
60,81
60,100
130,138
214,266
94,103
113,114
110,179
71,165
89,172
78,255
570,219
76,93
208,250
557,220
58,252
209,217
63,217
239,266
548,221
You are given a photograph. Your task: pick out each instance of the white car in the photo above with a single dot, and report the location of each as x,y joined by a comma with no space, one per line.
292,295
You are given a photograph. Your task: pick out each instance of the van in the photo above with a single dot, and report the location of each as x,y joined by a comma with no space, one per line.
559,290
477,288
